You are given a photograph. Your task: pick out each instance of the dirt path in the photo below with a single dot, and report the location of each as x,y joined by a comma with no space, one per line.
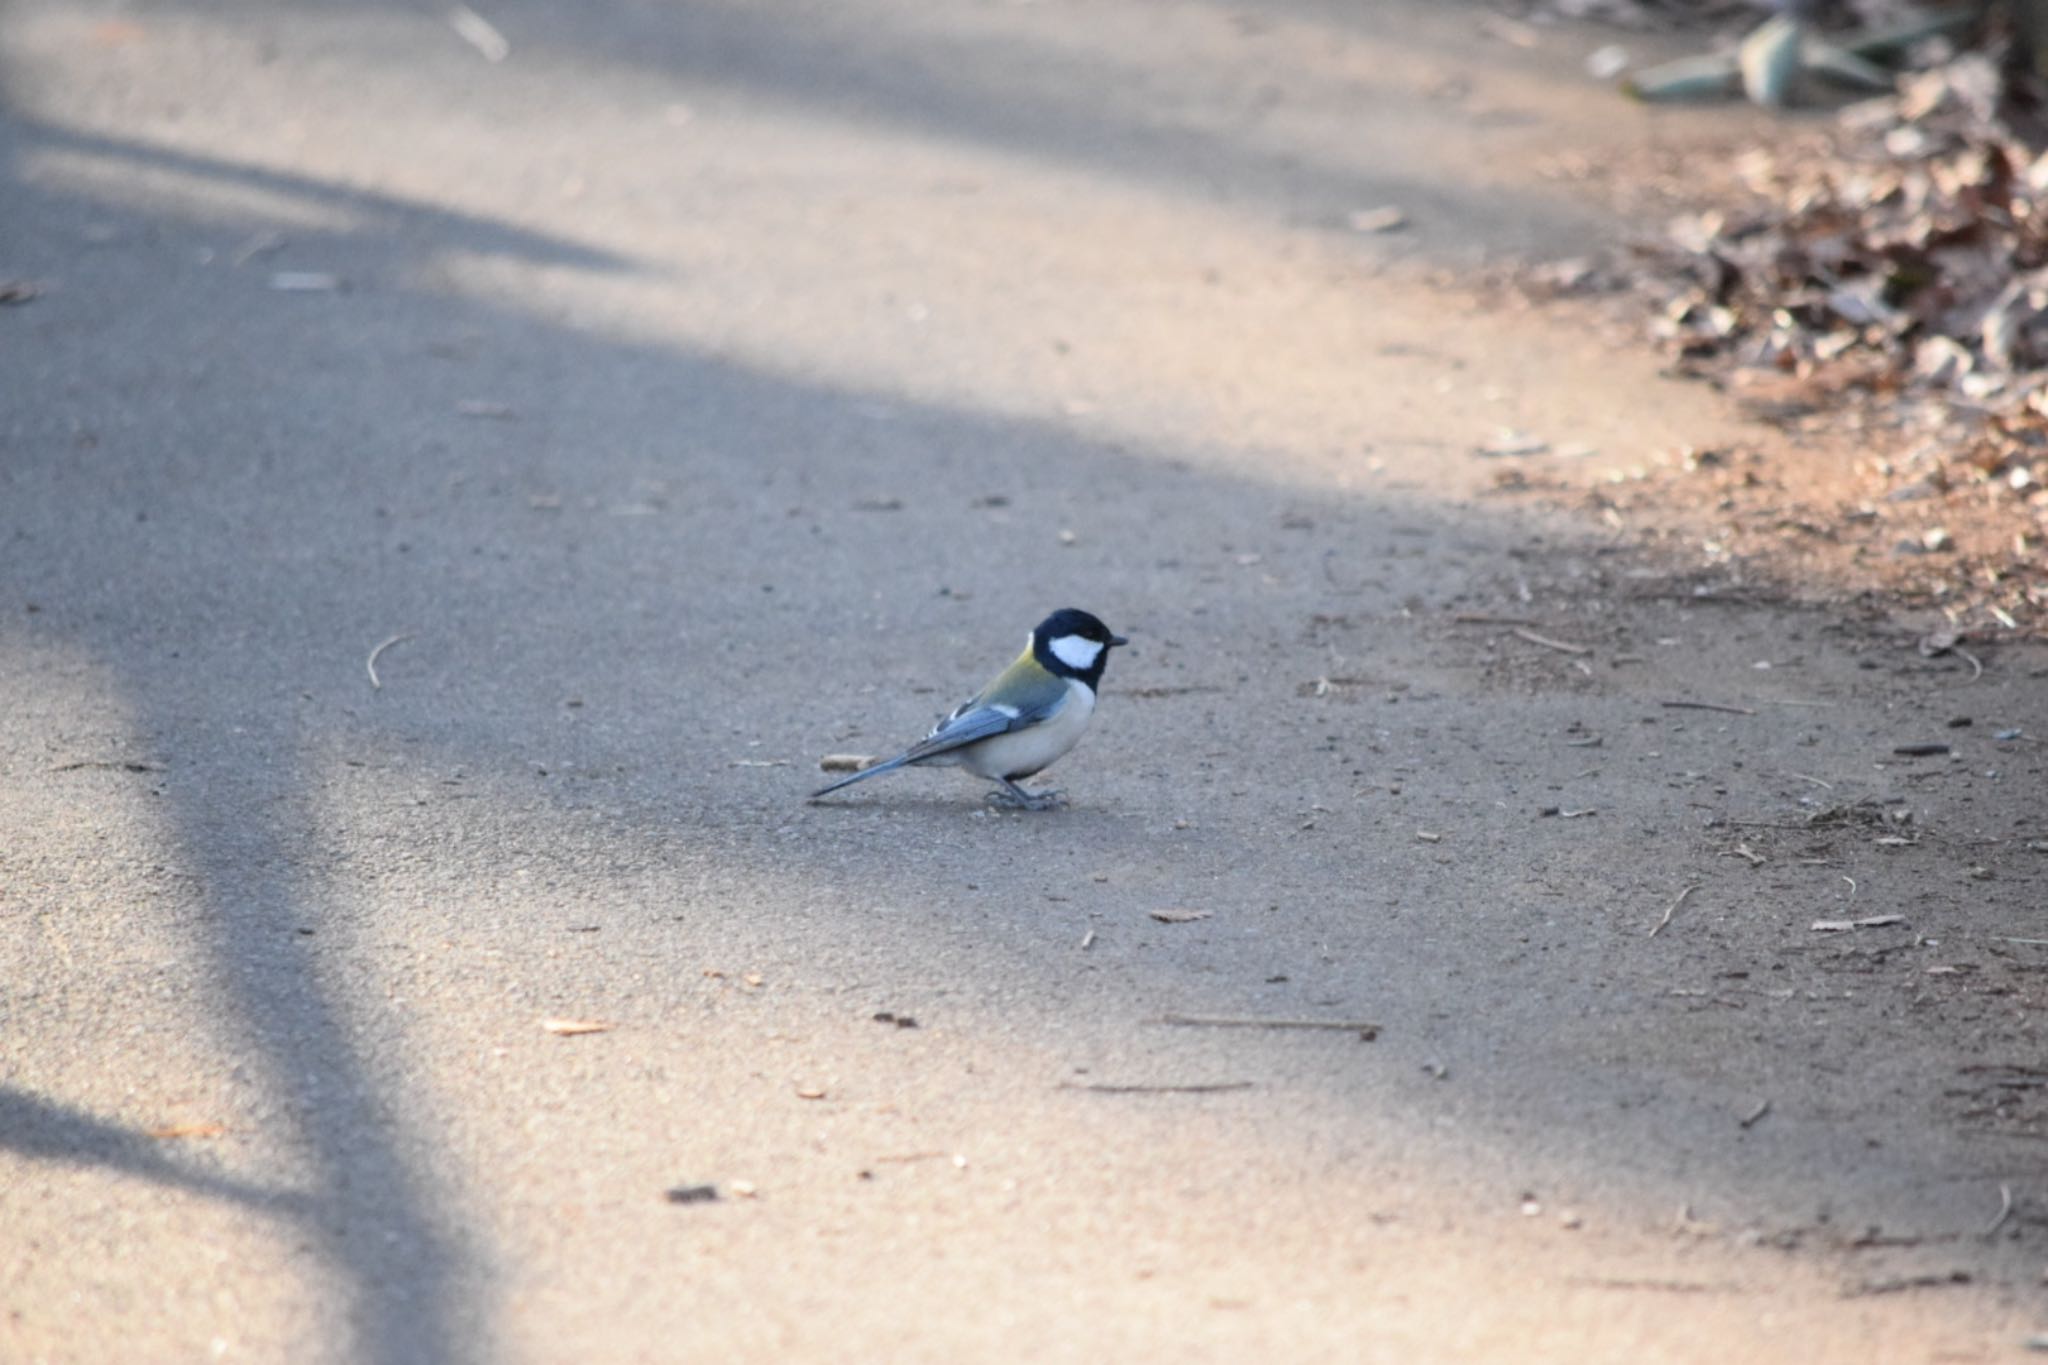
691,394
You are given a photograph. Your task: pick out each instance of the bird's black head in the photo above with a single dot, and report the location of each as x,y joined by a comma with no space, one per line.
1073,644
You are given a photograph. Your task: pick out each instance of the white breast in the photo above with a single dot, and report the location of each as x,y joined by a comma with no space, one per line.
1024,752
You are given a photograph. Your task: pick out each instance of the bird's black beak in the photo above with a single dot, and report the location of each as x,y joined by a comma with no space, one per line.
1118,640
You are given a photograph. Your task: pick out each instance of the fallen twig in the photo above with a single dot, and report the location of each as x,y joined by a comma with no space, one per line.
1207,1088
1976,668
1480,618
1754,1115
371,662
1522,633
1672,909
1949,1281
1364,1028
1706,706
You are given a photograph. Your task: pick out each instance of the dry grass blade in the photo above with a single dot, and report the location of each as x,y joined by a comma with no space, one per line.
1363,1027
1672,909
188,1130
1199,1088
1561,646
1706,706
570,1028
371,663
2004,1212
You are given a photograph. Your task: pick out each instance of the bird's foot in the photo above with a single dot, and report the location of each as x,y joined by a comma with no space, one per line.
1010,796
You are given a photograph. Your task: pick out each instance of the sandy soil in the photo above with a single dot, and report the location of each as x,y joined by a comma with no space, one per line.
695,392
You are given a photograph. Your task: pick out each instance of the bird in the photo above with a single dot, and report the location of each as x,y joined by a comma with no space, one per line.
1028,716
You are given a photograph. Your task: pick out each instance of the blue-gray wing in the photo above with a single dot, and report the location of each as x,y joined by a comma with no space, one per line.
1024,694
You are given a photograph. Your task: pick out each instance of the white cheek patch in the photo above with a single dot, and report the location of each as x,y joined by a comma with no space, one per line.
1076,652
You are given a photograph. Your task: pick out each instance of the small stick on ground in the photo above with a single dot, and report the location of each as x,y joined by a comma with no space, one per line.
1755,1114
1895,1286
1658,1286
1362,1027
2004,1212
1480,618
1706,706
1521,633
1209,1088
1672,909
1976,668
371,662
1087,939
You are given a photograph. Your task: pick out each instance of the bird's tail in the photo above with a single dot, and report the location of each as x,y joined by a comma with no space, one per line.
889,766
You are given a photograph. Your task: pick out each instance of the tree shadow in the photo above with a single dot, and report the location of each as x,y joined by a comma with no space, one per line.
41,1129
1297,112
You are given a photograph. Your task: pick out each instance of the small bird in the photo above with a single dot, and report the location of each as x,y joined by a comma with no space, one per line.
1033,712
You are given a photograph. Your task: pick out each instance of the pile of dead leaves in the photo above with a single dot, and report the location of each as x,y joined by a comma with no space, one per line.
1896,269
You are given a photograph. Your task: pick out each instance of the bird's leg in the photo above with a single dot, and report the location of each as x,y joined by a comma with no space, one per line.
1014,796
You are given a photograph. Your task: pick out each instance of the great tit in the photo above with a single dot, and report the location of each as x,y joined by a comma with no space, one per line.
1033,712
